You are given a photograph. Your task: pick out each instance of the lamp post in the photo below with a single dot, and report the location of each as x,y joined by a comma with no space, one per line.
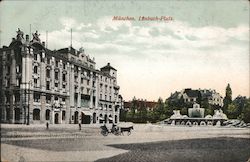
26,110
28,116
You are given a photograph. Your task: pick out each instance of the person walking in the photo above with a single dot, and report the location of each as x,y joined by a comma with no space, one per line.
47,125
80,126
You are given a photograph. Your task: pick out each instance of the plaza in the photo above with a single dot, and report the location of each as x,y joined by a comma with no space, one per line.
67,143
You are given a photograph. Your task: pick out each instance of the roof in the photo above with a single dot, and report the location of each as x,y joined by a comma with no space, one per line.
192,93
107,67
69,50
139,104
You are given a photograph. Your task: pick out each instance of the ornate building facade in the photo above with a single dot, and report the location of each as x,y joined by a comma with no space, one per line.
38,85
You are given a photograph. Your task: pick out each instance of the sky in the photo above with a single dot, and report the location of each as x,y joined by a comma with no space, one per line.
206,45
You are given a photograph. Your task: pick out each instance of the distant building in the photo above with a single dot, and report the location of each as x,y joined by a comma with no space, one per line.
149,105
213,97
189,95
38,85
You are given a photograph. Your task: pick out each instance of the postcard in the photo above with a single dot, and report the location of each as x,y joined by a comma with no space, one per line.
124,81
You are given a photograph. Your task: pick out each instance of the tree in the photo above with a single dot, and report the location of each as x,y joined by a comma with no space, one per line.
245,115
228,98
231,111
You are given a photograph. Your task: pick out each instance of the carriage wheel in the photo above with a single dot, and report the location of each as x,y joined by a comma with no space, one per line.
117,133
104,133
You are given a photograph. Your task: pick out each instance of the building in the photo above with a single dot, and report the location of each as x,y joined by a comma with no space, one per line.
213,97
189,95
38,85
140,104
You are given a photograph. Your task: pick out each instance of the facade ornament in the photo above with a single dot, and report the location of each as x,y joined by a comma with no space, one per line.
36,37
19,36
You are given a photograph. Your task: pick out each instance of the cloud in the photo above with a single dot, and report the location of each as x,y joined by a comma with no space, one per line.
162,53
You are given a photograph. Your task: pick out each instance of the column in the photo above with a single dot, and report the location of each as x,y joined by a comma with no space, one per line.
60,117
97,92
43,107
71,85
43,74
91,90
52,115
12,84
68,112
52,83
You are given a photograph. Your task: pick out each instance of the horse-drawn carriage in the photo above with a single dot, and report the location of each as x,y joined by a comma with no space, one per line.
116,130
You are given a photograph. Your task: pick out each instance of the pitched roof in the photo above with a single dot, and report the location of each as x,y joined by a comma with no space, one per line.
192,93
107,67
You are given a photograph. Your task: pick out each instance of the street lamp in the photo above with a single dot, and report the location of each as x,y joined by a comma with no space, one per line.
26,118
28,121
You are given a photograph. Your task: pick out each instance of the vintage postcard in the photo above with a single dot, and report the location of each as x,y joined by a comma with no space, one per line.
124,81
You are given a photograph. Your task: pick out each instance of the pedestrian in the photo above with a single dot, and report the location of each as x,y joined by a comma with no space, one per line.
47,125
80,126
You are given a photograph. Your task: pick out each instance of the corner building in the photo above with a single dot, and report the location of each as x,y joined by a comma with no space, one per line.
38,85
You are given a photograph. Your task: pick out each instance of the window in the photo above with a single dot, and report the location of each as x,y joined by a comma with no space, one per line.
48,60
35,56
17,97
35,69
48,73
36,97
56,75
56,84
64,86
81,80
63,114
48,98
64,66
63,99
35,83
36,114
56,63
105,97
64,77
109,98
47,85
87,82
100,96
47,114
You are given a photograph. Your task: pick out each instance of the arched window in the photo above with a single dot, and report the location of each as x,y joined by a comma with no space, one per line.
36,114
35,69
63,114
47,114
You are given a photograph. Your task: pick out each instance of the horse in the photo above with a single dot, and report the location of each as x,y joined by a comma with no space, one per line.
127,129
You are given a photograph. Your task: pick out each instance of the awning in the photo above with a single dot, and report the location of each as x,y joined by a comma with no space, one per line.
101,118
110,118
87,113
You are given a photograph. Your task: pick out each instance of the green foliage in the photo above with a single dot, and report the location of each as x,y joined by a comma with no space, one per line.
238,108
228,98
245,115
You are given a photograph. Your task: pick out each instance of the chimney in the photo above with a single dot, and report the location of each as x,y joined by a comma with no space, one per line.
27,38
108,64
13,39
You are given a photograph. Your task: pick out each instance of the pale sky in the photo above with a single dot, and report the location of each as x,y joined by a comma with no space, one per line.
205,46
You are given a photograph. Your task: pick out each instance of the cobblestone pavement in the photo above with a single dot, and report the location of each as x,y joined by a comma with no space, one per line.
67,143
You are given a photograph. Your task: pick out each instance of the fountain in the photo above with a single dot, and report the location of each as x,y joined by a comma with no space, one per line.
196,117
